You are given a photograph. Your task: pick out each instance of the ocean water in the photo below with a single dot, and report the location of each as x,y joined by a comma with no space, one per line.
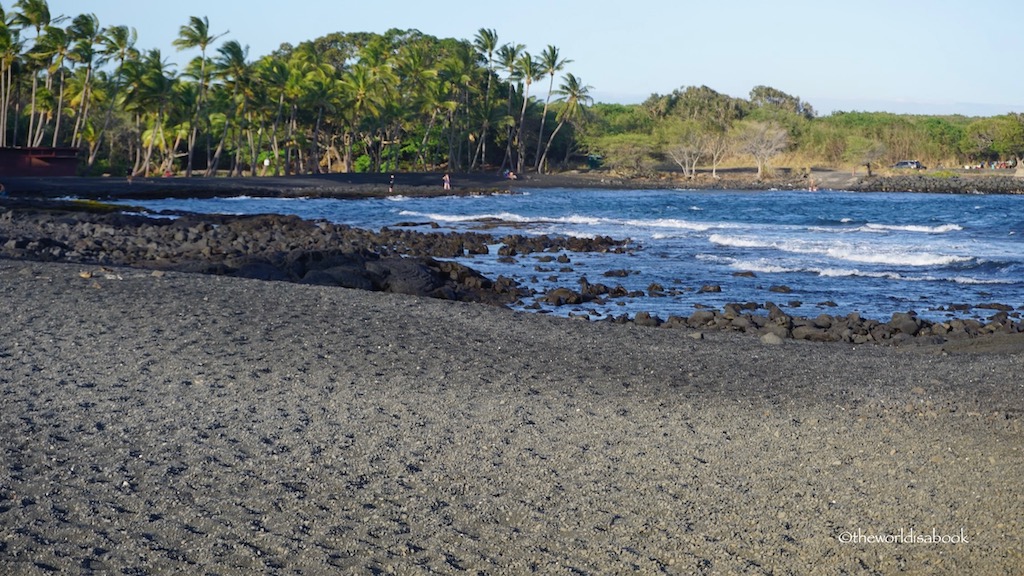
836,252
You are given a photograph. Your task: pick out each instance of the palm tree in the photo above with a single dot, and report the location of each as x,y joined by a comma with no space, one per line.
527,70
56,44
432,102
320,91
233,69
417,104
33,14
362,99
10,52
550,63
508,55
51,52
118,44
486,42
457,73
85,32
150,94
196,35
321,95
272,73
577,98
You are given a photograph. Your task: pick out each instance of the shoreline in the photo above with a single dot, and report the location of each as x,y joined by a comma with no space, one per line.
41,226
430,184
290,249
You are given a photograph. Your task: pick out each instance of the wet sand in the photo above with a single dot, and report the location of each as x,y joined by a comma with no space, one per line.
177,423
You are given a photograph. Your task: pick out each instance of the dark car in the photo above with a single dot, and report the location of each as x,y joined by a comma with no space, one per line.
909,165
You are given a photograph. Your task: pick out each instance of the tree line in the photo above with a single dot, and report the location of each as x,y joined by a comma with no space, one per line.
401,100
404,100
697,126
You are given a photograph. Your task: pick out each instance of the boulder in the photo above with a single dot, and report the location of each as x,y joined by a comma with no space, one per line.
906,323
344,276
776,329
812,333
742,323
406,276
562,296
701,318
645,319
260,269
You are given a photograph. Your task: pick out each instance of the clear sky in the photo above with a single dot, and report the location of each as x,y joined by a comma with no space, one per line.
903,56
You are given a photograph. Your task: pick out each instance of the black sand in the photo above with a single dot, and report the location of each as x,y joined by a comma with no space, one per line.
177,423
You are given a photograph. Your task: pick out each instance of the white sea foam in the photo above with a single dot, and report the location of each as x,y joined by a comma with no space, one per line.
859,254
740,241
969,280
761,267
944,228
846,272
668,223
887,255
504,217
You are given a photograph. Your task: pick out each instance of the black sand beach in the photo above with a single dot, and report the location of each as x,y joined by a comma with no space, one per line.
155,421
178,423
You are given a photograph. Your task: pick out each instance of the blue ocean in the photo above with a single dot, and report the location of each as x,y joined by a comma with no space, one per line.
828,252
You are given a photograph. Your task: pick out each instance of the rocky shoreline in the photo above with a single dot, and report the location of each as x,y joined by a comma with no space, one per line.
269,247
430,184
399,260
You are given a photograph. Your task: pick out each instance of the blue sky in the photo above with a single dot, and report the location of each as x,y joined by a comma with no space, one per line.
903,56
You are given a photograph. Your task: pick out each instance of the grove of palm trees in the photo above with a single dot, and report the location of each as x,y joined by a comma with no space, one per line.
404,100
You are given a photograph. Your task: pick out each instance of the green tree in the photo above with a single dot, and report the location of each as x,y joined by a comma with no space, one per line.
272,75
626,154
85,32
234,71
10,56
1008,137
457,74
362,101
34,14
685,143
707,106
508,56
486,43
52,49
196,34
765,96
527,71
762,141
576,97
861,151
118,44
150,94
550,63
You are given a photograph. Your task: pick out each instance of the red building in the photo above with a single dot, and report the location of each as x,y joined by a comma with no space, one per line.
43,162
